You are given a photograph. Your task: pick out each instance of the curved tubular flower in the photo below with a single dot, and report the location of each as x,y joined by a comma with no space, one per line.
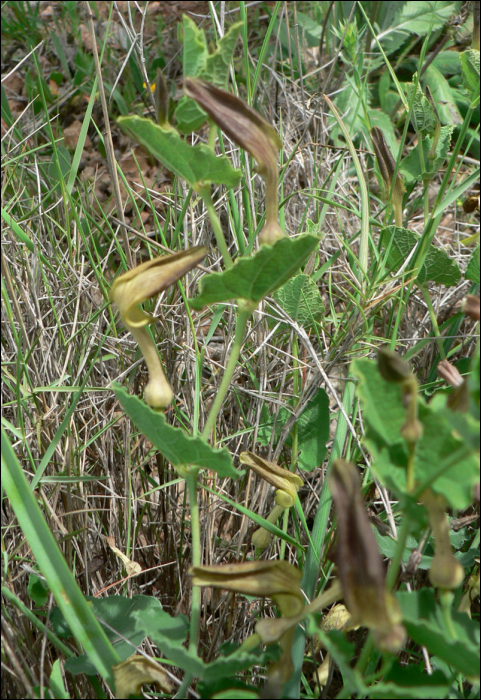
287,486
136,286
278,580
286,482
359,562
250,131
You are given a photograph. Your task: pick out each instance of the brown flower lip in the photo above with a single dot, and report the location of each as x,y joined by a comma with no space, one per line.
387,166
286,482
391,366
359,561
277,579
250,131
148,279
384,157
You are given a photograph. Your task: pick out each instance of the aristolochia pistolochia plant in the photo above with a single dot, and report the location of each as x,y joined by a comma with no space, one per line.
136,286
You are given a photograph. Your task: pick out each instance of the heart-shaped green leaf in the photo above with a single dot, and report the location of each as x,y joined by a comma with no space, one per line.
438,266
180,449
256,277
195,164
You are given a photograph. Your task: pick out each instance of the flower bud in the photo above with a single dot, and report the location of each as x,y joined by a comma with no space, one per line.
445,571
470,307
387,167
458,400
261,538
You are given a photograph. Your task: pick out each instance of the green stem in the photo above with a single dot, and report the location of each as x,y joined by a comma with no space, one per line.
241,323
191,480
410,467
191,475
219,234
423,175
296,380
364,656
403,533
446,598
434,321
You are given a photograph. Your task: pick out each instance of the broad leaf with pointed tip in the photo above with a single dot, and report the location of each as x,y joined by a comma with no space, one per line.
472,270
195,164
411,165
470,68
255,277
180,449
438,266
169,633
423,116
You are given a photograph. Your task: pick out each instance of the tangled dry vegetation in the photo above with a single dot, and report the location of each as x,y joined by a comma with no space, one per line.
59,332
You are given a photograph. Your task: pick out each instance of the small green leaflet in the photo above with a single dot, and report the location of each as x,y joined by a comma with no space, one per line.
300,298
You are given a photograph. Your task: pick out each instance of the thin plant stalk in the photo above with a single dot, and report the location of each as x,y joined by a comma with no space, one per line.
241,323
294,451
434,321
425,179
216,225
191,481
